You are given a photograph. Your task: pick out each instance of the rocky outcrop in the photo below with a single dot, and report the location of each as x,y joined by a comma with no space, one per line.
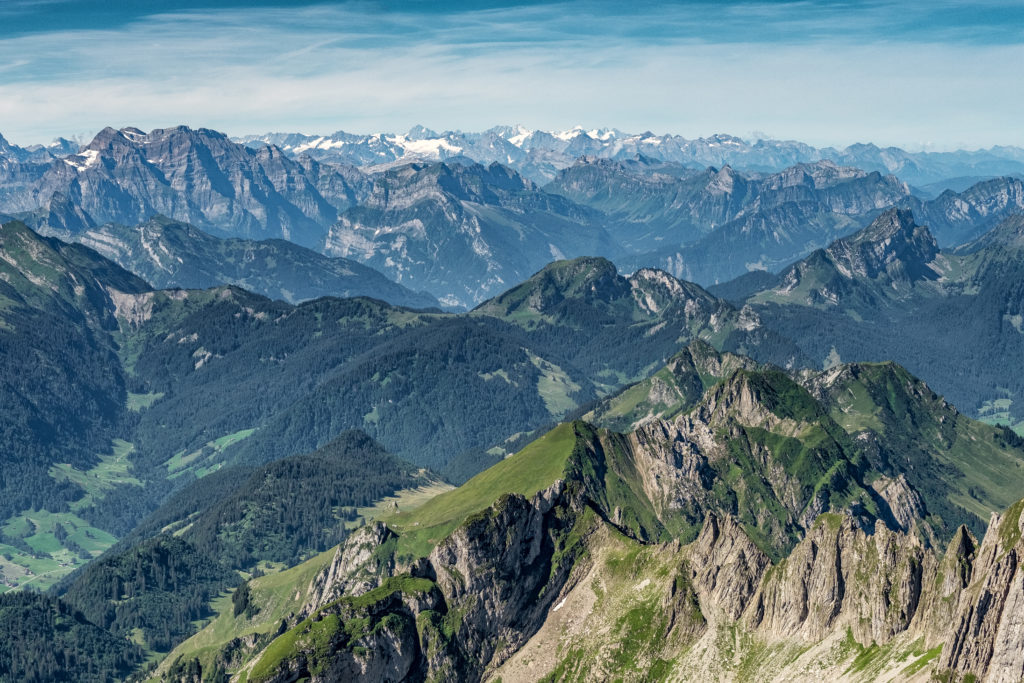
480,595
495,580
732,452
359,564
841,576
905,504
986,634
892,245
726,566
674,389
959,217
939,600
499,572
785,559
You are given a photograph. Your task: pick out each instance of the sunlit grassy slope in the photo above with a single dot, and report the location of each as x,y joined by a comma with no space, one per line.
530,470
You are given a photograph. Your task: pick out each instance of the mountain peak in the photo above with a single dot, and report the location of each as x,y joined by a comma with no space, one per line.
463,181
576,276
890,224
419,132
723,180
893,243
107,138
558,281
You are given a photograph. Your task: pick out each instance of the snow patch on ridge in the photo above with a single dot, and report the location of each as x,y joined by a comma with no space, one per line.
82,161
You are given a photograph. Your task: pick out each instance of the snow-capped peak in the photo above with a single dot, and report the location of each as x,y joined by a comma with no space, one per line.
571,134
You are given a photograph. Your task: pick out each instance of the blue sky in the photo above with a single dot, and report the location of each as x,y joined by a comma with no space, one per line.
919,74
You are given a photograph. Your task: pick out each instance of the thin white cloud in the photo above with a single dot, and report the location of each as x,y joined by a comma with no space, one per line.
324,68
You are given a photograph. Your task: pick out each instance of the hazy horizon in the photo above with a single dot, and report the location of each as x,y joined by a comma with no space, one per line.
85,138
918,75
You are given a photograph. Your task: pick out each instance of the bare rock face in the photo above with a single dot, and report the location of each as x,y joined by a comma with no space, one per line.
682,604
683,462
986,636
904,502
491,585
673,462
498,570
357,567
726,565
942,589
841,576
892,245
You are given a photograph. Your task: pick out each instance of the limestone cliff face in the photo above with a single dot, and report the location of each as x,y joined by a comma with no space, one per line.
729,454
499,571
356,568
879,585
840,576
471,604
821,573
942,589
986,633
903,501
199,176
726,565
491,585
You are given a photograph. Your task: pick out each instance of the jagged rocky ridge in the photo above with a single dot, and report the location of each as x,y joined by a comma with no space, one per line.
663,205
956,218
715,224
199,176
851,578
865,603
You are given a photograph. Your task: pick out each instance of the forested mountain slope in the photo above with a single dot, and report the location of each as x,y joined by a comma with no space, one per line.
275,379
169,254
889,292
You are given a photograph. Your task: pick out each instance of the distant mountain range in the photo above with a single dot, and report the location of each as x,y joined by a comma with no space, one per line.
713,224
199,176
464,222
465,232
539,155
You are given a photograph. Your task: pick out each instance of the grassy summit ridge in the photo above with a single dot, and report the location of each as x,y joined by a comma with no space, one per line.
532,469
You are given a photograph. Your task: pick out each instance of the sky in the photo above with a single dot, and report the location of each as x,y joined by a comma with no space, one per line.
921,74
